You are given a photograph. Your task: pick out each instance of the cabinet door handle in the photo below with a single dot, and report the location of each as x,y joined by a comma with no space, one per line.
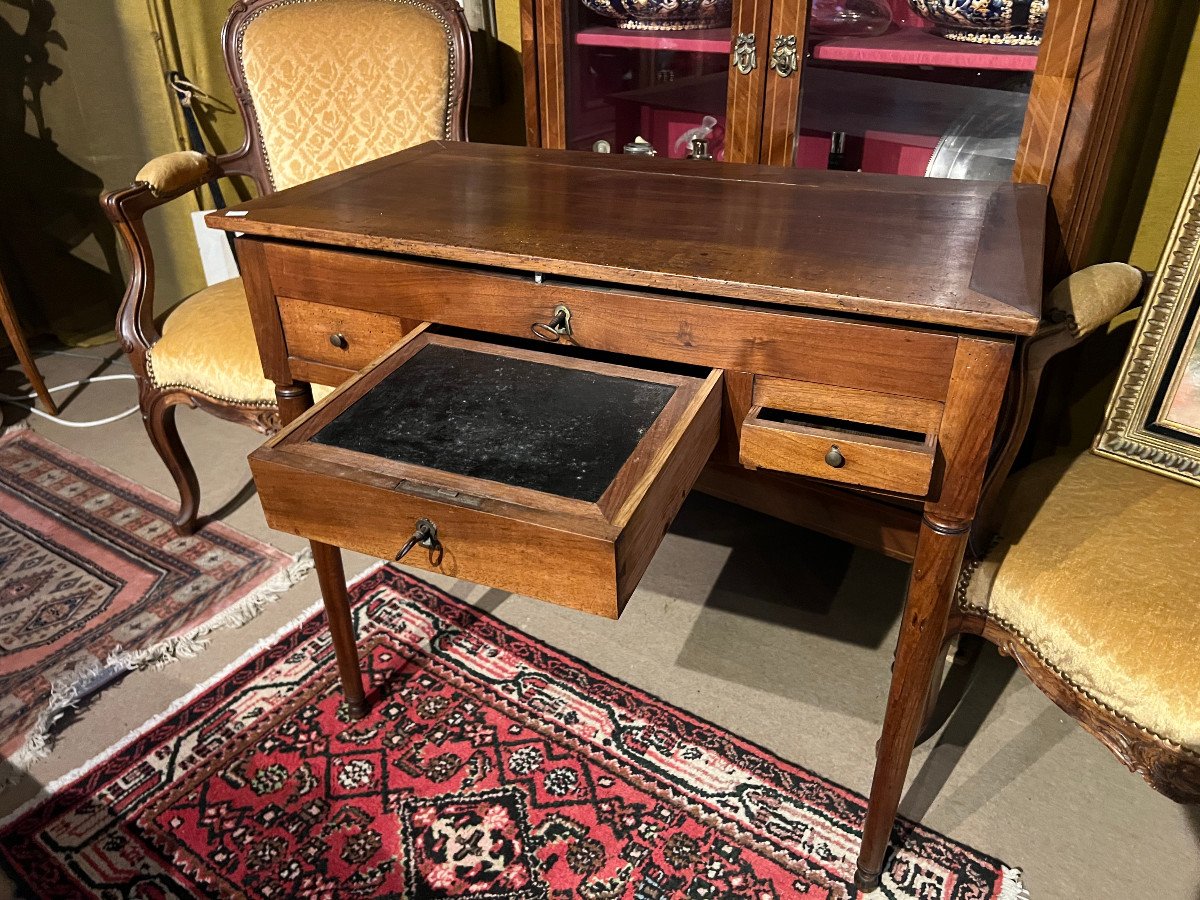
784,58
745,57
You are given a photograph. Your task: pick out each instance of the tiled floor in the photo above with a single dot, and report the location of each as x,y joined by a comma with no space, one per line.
781,635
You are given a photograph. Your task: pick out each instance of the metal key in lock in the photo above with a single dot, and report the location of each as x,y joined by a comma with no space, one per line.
557,328
426,535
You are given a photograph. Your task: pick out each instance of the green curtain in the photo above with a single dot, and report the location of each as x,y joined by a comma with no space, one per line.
83,105
191,45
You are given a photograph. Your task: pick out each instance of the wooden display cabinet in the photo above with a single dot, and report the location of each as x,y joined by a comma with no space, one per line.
1056,109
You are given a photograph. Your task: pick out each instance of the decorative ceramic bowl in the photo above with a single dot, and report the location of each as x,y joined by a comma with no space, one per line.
665,15
986,21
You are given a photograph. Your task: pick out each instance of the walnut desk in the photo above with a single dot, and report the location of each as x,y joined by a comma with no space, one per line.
648,316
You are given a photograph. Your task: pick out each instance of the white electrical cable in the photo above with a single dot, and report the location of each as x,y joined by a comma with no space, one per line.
20,400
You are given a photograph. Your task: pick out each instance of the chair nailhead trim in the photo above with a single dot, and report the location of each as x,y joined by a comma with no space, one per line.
1083,692
254,404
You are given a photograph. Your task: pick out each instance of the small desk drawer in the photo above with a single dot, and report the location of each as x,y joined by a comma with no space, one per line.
336,335
543,474
858,437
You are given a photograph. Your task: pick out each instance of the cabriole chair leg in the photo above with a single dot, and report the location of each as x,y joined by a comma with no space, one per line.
159,418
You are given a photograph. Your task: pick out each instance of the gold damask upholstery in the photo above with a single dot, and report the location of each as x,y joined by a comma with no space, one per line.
1098,569
331,90
208,345
322,85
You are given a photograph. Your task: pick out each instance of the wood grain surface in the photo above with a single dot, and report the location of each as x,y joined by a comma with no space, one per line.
898,466
890,359
824,240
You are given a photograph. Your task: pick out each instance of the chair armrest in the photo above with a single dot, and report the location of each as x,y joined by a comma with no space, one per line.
174,173
161,180
1092,297
1078,305
135,326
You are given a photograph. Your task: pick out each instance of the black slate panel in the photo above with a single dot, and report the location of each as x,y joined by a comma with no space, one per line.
529,424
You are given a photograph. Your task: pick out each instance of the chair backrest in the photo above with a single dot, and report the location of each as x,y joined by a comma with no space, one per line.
327,84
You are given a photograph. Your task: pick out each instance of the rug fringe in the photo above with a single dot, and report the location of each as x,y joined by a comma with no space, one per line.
191,642
1011,887
73,687
14,429
257,647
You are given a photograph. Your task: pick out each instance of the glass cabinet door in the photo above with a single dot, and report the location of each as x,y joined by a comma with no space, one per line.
917,87
650,69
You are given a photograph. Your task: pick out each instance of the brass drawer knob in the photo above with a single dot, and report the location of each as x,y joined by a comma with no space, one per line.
339,340
834,457
426,535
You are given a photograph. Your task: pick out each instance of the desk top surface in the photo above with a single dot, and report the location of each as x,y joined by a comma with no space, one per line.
931,251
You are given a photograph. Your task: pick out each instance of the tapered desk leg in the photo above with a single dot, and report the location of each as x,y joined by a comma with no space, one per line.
328,561
940,550
294,399
964,440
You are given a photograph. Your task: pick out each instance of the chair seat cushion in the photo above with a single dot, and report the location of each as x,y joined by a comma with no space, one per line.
208,346
1098,570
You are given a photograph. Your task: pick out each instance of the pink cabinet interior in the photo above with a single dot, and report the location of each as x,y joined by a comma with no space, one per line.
892,96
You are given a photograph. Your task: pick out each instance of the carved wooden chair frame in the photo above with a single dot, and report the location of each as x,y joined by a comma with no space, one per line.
1169,768
136,327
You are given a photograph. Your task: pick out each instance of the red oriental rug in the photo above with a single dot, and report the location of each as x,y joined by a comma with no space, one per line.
94,582
491,766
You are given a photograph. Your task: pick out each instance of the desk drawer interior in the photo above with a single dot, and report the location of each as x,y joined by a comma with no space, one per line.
863,438
543,474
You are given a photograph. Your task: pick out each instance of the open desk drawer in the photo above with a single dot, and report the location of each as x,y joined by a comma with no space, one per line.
856,437
543,474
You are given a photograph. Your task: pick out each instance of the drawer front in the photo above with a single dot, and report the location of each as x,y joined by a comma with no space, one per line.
336,476
336,336
890,359
858,437
484,546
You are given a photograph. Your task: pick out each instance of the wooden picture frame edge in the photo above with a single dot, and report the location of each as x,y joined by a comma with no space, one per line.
1125,435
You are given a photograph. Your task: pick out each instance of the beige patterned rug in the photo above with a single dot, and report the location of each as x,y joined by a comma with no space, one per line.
94,583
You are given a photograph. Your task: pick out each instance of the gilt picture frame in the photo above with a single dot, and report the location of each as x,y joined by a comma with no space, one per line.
1153,417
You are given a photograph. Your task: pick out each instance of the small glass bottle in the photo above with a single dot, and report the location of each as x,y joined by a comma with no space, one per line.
837,151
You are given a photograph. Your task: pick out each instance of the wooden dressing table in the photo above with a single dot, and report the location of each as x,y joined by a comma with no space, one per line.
850,328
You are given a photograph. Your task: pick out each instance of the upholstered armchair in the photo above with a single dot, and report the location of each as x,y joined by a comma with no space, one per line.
1092,585
1094,590
322,85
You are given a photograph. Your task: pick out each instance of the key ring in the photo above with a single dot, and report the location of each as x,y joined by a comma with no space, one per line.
426,536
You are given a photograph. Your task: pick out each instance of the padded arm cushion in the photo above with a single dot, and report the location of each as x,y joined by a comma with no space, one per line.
178,171
1093,296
